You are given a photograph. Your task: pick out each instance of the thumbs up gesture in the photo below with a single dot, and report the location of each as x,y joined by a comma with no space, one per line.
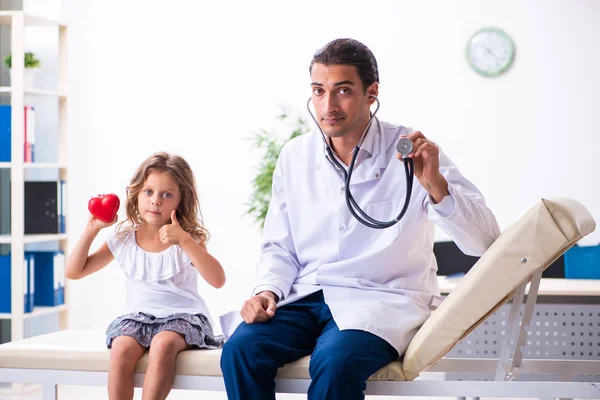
172,233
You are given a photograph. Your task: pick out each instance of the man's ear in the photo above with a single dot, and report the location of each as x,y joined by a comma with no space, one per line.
373,90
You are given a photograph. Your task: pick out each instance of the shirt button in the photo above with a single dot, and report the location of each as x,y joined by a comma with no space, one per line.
342,227
343,189
377,175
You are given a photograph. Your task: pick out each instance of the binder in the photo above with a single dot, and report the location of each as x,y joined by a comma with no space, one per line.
49,278
5,292
62,207
41,207
581,262
5,136
4,201
29,134
59,278
26,154
5,284
29,288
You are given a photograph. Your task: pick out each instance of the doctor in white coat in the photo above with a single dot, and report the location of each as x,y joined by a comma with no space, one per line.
350,295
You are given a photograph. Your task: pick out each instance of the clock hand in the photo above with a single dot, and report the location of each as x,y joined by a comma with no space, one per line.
487,50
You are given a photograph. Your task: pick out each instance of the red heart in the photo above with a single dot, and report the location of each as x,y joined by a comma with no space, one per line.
104,206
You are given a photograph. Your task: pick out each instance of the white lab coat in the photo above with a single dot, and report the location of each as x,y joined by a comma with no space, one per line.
378,280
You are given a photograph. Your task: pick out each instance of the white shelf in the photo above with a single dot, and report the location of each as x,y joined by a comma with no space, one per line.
30,20
6,239
18,21
34,92
34,165
38,311
28,388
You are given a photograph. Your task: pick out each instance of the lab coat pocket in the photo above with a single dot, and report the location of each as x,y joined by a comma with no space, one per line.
384,211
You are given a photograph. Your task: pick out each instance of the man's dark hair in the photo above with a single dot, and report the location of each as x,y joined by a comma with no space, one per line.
349,52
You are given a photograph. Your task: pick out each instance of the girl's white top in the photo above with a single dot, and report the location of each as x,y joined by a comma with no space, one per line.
160,284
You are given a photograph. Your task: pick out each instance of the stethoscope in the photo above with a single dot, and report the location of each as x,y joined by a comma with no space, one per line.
404,146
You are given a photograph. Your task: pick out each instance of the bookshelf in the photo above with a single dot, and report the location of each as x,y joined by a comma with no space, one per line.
7,239
34,92
18,21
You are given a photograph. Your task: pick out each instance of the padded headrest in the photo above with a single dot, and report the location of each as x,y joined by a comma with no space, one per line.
535,241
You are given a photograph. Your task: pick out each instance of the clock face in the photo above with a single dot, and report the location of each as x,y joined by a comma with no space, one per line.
490,52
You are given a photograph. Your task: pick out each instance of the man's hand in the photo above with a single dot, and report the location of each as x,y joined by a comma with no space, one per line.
259,308
426,159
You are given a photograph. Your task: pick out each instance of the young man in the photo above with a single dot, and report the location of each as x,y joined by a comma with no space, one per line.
350,295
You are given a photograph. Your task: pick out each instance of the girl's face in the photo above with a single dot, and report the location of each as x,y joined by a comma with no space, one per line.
158,198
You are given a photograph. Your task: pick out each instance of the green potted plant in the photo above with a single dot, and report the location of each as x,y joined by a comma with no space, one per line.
271,142
31,62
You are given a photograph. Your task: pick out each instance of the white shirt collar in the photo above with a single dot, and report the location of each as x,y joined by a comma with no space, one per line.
368,148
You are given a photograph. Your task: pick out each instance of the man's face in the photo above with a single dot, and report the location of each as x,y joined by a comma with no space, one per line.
339,99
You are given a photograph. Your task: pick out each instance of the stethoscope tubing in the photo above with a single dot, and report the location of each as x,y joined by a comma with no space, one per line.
354,208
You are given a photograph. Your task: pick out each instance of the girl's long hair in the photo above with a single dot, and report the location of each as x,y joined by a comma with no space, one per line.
189,215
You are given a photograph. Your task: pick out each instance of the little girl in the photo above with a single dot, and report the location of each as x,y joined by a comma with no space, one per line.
161,247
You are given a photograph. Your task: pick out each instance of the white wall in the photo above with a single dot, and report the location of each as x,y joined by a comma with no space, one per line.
197,78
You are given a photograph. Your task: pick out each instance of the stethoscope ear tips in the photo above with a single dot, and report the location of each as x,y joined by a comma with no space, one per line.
404,146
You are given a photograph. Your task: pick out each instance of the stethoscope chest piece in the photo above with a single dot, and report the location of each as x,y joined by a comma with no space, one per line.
404,146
